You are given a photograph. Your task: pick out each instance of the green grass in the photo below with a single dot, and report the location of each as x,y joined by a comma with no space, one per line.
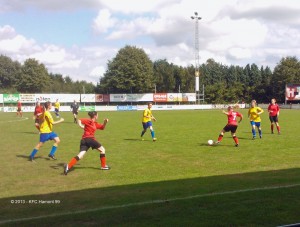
153,183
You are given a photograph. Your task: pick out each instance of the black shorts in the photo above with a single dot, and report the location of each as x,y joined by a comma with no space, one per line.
75,112
19,109
56,110
86,143
231,128
273,118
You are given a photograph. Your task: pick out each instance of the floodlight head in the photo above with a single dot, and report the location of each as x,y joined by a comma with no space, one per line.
199,18
196,13
192,17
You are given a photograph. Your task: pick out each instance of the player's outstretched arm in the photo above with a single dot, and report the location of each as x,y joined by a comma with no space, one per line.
57,122
224,112
105,122
79,124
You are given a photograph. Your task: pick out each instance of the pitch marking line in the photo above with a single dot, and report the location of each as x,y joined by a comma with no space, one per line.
149,202
16,120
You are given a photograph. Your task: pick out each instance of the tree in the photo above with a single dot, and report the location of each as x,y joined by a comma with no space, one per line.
9,73
164,76
263,91
287,71
215,93
232,75
190,79
57,83
212,72
34,77
131,71
182,80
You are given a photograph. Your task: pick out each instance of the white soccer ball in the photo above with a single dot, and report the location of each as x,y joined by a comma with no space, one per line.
210,142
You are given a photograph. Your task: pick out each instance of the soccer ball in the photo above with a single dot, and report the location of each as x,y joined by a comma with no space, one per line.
210,142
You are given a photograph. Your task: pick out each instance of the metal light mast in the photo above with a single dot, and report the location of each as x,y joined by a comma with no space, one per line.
197,72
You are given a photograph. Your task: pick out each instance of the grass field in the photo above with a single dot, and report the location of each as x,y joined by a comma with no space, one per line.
177,181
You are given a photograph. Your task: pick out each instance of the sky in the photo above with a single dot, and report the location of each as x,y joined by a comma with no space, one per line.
78,38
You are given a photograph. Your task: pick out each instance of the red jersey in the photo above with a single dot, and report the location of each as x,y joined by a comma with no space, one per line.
90,127
19,104
232,115
273,110
38,111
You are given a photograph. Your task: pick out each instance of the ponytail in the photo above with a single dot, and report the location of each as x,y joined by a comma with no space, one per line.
92,114
46,105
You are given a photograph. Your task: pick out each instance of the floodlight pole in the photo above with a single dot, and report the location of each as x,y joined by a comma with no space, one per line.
197,71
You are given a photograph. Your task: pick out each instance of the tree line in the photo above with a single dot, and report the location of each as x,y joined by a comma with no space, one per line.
33,77
132,71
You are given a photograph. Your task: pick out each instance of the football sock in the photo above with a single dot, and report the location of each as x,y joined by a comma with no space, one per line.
143,132
73,162
102,160
220,138
236,140
53,150
260,132
152,134
272,127
33,153
253,132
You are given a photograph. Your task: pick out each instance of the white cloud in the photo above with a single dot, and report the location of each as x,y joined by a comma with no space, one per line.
183,47
21,48
103,21
13,43
240,53
136,6
97,72
7,32
47,5
237,33
230,32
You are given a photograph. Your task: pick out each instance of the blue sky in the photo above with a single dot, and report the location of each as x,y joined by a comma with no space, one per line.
77,38
59,28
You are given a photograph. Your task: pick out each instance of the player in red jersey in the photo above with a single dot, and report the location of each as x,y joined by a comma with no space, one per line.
38,111
273,110
19,108
88,140
231,125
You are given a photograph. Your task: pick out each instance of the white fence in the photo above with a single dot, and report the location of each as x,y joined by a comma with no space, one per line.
127,107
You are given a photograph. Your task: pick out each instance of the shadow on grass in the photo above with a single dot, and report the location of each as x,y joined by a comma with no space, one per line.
140,140
267,198
74,168
263,133
35,158
133,139
245,138
59,165
220,145
32,133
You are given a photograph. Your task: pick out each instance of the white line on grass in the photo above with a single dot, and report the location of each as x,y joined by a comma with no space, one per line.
16,120
148,202
290,225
